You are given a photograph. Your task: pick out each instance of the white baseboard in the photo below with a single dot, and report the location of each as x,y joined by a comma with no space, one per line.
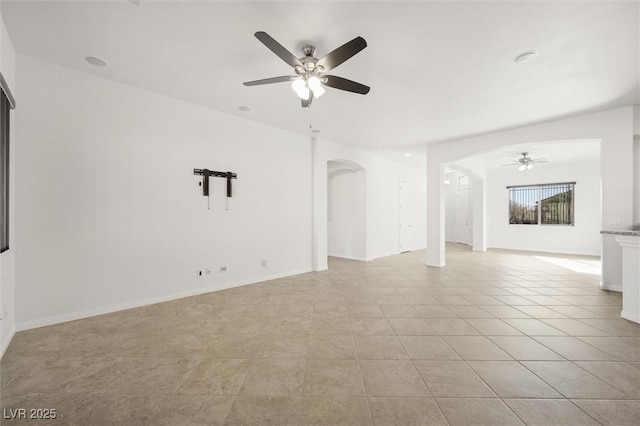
630,316
344,256
7,342
72,316
610,287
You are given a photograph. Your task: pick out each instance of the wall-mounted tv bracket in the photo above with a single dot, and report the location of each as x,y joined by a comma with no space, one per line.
206,173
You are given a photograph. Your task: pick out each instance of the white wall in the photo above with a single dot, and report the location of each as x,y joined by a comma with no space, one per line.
110,215
346,214
583,238
451,191
636,179
383,178
7,259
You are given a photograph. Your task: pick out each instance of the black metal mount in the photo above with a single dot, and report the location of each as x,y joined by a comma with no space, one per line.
206,173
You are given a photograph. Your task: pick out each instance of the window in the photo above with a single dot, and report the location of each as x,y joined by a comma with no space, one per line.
6,103
549,204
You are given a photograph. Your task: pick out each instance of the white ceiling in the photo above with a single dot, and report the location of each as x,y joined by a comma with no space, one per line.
557,153
438,70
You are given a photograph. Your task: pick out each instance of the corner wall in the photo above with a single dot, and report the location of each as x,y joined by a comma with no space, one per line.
7,259
109,212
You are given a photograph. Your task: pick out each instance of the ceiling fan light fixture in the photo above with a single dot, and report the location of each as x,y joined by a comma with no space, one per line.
522,167
529,166
300,87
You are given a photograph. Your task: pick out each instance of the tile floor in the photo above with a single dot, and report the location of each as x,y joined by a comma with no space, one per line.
493,338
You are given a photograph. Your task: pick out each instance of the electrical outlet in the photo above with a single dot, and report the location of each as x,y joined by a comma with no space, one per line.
265,263
614,221
199,273
223,269
207,271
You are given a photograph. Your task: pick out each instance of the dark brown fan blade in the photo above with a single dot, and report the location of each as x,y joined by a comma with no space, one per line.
277,48
282,79
306,103
334,58
344,84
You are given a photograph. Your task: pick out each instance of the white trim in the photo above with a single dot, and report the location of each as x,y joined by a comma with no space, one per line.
630,316
344,256
72,316
7,342
609,287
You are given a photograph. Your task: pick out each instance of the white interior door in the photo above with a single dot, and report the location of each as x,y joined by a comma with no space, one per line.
463,227
405,217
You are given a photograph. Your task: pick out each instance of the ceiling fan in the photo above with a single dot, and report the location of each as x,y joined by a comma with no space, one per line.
310,76
525,162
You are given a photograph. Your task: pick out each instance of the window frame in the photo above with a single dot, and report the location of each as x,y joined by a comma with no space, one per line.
8,103
539,188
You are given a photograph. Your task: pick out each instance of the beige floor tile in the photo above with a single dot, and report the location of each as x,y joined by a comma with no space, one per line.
399,311
524,348
141,375
505,312
295,310
534,327
330,326
329,311
470,312
573,381
549,412
612,413
264,410
509,379
428,347
623,348
371,326
483,300
331,347
493,327
193,410
620,375
452,327
574,327
216,377
574,349
274,377
333,377
364,311
541,312
392,378
616,327
327,411
433,311
575,312
379,347
452,379
477,348
405,412
479,412
411,327
390,299
515,300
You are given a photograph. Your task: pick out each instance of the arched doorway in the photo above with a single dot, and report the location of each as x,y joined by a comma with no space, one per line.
346,210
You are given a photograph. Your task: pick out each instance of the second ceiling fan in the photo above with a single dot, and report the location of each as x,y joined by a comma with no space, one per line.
310,78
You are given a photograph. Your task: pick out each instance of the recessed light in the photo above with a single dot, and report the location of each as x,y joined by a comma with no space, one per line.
315,131
96,61
527,56
244,108
407,155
